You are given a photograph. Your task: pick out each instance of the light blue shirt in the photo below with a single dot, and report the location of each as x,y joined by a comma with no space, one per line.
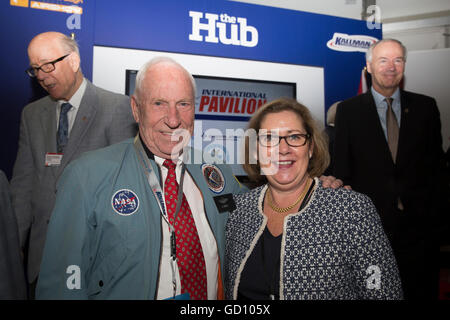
381,105
75,101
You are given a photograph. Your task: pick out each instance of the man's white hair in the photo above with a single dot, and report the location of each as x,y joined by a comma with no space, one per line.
369,52
142,73
70,44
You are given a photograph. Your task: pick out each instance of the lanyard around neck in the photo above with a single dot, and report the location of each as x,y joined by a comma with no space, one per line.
155,186
154,183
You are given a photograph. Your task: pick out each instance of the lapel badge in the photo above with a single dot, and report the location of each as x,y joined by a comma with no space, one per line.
125,202
214,178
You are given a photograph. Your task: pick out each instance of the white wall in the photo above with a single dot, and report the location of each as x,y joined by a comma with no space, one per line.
428,72
391,9
419,38
421,34
339,8
109,65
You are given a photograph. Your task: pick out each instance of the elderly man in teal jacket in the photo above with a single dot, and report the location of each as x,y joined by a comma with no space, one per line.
113,232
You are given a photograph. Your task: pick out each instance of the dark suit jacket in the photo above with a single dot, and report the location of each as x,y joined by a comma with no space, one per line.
103,118
12,276
363,160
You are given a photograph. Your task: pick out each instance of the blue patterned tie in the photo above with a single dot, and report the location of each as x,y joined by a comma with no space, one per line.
63,128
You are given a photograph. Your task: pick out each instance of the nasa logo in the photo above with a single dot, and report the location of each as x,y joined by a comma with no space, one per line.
214,178
125,202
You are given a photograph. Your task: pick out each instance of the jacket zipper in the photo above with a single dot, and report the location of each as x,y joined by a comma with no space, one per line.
160,260
160,243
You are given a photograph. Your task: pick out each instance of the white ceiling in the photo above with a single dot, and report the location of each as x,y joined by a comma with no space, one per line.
391,10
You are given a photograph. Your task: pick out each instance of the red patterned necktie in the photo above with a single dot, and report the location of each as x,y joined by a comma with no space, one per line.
190,259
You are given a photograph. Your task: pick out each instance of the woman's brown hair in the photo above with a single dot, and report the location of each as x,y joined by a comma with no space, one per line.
320,157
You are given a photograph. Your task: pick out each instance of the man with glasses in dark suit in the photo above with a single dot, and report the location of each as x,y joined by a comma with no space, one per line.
388,145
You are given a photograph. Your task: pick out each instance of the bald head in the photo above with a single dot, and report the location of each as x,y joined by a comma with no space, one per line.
57,38
65,79
158,63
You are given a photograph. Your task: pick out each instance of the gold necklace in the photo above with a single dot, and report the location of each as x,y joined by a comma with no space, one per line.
284,210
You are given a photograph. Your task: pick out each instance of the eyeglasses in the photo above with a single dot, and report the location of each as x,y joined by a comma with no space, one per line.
293,140
46,67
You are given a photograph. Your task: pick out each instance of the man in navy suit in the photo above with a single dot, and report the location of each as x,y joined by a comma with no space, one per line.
388,145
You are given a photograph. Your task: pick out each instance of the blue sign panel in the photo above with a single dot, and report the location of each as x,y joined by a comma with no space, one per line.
209,28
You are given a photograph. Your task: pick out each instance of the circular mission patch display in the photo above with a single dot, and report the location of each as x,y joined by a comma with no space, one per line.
214,178
125,202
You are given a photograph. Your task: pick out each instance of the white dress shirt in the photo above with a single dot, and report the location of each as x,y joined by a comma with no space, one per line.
195,200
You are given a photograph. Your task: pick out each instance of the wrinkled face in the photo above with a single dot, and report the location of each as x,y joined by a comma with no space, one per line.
165,110
387,66
285,166
61,83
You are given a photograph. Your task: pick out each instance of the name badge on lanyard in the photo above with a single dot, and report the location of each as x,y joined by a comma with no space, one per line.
155,186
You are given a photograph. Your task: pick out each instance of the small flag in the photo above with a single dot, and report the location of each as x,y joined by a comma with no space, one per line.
364,84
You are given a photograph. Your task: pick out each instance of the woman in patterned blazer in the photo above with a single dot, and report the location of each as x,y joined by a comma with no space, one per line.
293,239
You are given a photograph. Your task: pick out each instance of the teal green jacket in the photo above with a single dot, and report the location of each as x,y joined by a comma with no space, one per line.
92,251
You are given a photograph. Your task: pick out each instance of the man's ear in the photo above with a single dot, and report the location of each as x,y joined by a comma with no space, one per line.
369,68
135,108
74,61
